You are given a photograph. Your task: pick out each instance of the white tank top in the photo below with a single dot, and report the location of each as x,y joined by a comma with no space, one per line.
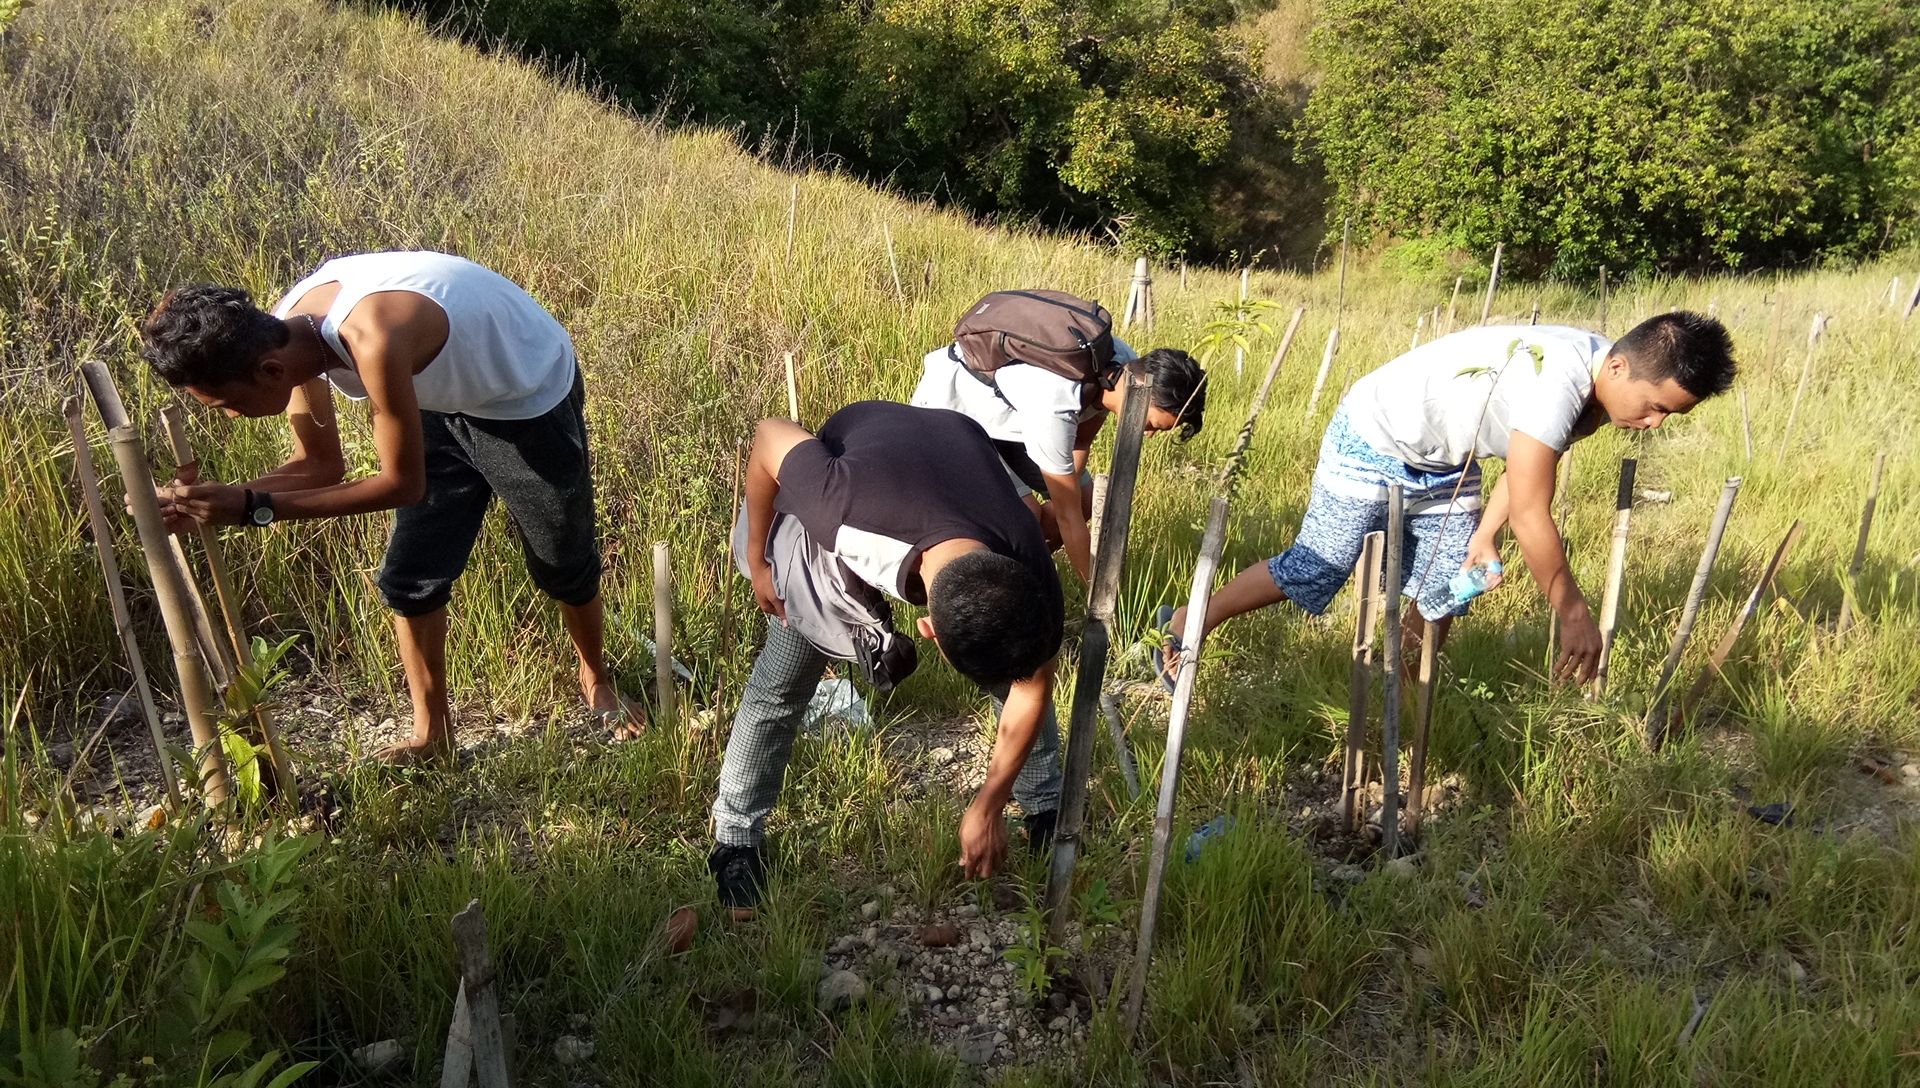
505,356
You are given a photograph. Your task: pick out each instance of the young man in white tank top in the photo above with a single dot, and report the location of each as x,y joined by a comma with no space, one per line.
474,392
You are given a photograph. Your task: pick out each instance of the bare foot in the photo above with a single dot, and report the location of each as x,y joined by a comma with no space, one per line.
623,717
414,752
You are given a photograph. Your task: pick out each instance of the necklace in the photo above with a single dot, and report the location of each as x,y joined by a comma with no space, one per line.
326,349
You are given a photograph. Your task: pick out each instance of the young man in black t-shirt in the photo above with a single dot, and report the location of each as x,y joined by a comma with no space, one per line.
913,502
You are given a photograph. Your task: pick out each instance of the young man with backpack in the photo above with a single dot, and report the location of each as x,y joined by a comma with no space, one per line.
889,501
474,392
1039,371
1522,393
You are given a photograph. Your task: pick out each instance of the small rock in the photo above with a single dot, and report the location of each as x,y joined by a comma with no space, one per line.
1348,874
841,990
1910,770
1059,1024
1652,494
1796,972
60,754
999,1038
378,1058
870,936
975,1049
968,910
1245,1017
998,1004
572,1050
977,937
940,935
1403,867
843,945
932,995
955,992
1420,956
940,757
870,909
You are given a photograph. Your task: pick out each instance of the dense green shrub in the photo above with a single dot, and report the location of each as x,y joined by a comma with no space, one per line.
1590,132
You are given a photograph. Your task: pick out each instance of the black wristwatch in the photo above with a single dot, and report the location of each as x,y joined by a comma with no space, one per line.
259,512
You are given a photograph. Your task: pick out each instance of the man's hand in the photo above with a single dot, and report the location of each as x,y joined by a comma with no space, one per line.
764,593
207,504
983,840
1482,550
1579,647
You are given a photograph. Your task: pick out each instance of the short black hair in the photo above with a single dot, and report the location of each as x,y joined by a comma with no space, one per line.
205,335
1692,349
992,618
1179,386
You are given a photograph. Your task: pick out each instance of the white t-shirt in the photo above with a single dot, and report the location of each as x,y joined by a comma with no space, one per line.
505,357
1035,407
1462,396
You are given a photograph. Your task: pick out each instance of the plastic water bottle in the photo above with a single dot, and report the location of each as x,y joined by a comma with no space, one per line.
1474,581
1206,832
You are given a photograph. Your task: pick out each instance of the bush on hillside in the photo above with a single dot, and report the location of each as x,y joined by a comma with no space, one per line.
1660,136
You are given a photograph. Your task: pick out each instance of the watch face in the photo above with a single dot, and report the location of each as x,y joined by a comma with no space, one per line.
263,515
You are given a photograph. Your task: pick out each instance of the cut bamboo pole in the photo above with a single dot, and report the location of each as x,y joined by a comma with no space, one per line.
1913,300
1183,277
1326,364
477,982
1893,292
1453,304
1139,310
1860,545
793,209
1746,423
1366,585
793,390
1193,641
899,292
136,476
116,591
1423,725
1718,659
663,630
1419,326
1534,318
1244,440
1103,593
1390,682
1814,333
213,648
1493,282
1689,615
1616,573
1109,702
173,425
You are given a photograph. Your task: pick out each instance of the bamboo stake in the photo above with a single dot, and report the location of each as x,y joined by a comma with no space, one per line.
1423,725
1326,364
1718,659
1433,324
793,208
1419,326
1453,304
1193,639
793,390
173,426
663,630
1245,438
1746,423
116,591
1390,683
899,292
1340,295
1806,372
1860,546
1689,615
1616,572
1893,292
1095,645
213,648
1534,318
196,698
1109,703
1493,281
477,980
1183,277
1366,584
1913,300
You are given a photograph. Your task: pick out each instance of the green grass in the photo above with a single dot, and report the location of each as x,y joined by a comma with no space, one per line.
1554,931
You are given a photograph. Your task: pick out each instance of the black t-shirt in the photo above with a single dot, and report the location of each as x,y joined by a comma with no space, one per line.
883,482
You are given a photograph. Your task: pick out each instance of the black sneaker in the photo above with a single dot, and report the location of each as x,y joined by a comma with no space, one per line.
740,875
1040,830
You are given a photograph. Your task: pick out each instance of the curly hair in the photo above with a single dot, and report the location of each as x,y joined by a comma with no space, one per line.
205,335
989,616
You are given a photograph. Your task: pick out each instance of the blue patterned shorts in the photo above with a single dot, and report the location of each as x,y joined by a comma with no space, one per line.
1350,500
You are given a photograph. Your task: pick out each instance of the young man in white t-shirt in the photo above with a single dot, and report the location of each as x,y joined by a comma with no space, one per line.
1043,425
1522,393
474,392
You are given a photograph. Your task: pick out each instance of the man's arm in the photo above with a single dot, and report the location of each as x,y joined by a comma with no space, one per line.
773,439
1069,516
317,460
983,835
1484,547
1529,476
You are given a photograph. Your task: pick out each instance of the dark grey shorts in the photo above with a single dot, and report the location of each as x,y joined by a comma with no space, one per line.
539,469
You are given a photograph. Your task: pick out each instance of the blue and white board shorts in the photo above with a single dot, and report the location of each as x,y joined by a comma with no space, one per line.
1350,500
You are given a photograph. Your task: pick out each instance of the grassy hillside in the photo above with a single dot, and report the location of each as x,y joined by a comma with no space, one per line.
1556,927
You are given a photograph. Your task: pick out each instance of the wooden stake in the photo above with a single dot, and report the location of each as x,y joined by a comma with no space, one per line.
1493,282
1326,364
1390,683
1193,638
1423,725
1366,585
1913,300
1453,304
136,476
1746,423
1689,614
1534,318
1893,292
663,631
1616,572
1419,326
1718,659
1806,372
1183,277
1245,439
899,293
1095,644
793,208
1139,309
174,426
488,1045
1860,545
1109,703
117,592
793,390
1340,297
